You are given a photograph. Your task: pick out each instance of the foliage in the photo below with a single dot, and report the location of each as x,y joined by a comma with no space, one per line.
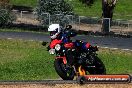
6,17
54,7
50,8
4,3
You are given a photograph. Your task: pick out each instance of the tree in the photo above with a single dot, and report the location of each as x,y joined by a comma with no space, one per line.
53,7
6,17
108,8
107,12
4,3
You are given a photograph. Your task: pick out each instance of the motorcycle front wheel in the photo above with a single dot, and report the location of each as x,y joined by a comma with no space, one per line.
66,73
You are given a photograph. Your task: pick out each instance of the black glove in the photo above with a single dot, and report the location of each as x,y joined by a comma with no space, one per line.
44,43
48,48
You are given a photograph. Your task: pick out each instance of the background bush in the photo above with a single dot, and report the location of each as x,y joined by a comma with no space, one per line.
6,17
53,7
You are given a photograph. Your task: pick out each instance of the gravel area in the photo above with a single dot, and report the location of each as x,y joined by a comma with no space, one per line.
67,86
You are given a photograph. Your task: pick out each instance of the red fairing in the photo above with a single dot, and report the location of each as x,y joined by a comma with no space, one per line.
87,45
69,45
54,42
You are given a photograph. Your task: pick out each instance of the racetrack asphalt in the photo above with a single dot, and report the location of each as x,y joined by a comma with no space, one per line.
107,41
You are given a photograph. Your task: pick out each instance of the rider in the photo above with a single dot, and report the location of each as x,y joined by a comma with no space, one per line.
57,32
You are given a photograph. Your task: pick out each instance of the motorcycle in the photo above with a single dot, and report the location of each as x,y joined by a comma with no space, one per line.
72,60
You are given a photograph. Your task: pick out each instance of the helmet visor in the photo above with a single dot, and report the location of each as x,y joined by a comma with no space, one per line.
53,32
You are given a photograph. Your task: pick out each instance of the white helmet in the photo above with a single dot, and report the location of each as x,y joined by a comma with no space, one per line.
54,30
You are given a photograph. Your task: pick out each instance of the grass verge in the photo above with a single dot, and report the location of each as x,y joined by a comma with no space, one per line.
29,60
31,3
116,61
21,30
25,60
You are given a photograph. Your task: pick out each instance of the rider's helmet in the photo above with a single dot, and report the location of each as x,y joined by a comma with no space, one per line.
54,30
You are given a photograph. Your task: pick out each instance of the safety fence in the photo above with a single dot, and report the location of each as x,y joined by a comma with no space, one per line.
78,22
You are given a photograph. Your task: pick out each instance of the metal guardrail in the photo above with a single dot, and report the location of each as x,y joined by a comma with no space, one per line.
79,19
78,22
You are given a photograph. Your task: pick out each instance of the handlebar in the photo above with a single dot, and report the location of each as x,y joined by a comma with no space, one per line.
93,48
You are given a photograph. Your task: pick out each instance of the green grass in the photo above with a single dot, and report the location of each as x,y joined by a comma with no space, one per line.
25,60
123,9
31,3
84,10
20,30
116,61
29,60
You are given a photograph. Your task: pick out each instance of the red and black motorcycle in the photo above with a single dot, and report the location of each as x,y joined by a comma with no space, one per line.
72,60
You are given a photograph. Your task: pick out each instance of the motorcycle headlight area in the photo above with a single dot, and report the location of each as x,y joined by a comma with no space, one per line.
57,47
52,51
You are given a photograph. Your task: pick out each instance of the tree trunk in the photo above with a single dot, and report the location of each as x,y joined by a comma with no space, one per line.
108,8
107,12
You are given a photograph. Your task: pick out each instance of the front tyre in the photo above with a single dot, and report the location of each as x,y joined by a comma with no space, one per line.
66,73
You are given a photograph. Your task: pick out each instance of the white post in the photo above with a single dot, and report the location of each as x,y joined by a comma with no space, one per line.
118,21
21,14
48,15
128,27
79,21
49,19
71,17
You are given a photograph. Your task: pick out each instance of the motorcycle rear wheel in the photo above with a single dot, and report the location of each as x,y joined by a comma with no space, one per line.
64,72
99,67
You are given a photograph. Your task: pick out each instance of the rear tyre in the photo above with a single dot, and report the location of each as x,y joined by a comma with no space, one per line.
99,67
81,80
66,73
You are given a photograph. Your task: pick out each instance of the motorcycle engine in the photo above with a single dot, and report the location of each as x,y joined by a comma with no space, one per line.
85,59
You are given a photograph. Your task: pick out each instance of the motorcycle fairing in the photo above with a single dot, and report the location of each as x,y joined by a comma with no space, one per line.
54,42
69,45
87,45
